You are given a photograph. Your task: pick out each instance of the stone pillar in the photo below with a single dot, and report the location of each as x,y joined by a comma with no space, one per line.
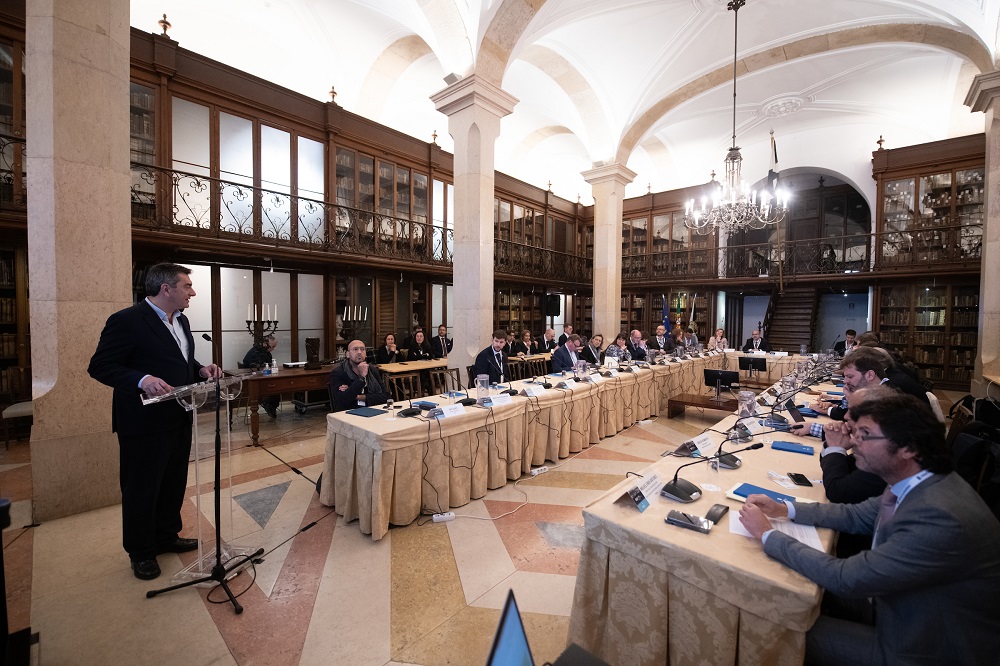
474,108
79,241
609,192
983,96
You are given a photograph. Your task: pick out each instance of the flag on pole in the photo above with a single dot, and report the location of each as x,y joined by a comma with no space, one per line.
691,319
666,310
772,173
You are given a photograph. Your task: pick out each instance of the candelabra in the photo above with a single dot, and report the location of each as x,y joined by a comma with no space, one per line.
259,329
354,321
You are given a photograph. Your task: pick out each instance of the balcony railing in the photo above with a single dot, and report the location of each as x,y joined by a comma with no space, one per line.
13,190
186,203
831,255
521,260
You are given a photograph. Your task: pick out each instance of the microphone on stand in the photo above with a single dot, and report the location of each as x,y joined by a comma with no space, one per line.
681,490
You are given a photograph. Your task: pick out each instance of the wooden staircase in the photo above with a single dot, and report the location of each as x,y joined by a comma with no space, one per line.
793,319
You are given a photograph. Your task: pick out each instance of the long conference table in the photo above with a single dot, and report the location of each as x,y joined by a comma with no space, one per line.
651,593
386,471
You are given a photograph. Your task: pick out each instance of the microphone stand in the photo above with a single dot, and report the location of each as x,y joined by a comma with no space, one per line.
684,491
220,572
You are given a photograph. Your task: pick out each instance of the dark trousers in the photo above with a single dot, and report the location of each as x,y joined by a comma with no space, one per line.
153,478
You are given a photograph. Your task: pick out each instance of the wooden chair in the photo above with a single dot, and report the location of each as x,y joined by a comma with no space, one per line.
517,368
470,372
535,367
444,380
405,386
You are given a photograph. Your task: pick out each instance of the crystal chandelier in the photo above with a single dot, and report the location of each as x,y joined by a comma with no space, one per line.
733,206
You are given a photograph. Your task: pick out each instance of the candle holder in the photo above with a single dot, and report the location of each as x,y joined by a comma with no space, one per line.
355,322
259,329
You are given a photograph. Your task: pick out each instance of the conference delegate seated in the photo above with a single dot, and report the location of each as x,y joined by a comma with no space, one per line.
689,340
618,349
525,346
935,552
491,361
565,357
637,346
661,342
442,344
567,331
549,343
846,346
591,352
388,353
718,342
756,343
420,349
353,382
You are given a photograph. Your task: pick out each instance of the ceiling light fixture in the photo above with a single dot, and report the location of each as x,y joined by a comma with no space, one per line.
733,206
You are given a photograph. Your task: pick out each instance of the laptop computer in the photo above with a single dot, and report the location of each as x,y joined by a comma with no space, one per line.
510,644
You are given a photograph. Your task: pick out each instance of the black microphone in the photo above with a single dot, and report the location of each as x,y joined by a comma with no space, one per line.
215,353
834,341
684,491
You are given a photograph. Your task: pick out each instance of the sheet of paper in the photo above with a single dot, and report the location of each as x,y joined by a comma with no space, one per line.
805,534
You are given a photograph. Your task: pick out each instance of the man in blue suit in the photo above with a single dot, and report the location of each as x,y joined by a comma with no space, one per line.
566,356
933,573
491,360
148,348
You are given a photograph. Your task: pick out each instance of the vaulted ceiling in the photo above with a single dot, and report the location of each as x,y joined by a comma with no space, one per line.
645,83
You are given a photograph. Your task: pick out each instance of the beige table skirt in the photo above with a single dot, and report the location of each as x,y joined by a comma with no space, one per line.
388,472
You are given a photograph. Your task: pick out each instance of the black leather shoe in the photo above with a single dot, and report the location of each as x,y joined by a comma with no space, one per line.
145,569
271,411
178,545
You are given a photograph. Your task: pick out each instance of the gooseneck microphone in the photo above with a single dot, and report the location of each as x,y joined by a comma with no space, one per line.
681,490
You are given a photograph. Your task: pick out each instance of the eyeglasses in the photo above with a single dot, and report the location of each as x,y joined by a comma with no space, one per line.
867,438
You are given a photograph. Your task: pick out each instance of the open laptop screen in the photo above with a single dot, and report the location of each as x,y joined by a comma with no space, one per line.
510,644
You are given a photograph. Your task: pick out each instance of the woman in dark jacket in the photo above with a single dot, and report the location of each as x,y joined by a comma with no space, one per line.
420,349
388,353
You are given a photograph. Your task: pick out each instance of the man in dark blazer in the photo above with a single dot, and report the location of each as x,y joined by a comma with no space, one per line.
756,343
933,573
661,342
354,377
566,356
567,331
844,347
148,348
637,347
491,361
442,344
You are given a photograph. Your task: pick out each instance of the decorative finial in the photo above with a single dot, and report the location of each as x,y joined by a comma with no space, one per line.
578,197
333,94
550,186
649,188
880,141
434,137
164,24
713,174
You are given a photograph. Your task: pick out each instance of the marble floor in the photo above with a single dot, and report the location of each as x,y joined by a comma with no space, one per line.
323,593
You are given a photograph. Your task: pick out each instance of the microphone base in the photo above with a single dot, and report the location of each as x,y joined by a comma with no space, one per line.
681,491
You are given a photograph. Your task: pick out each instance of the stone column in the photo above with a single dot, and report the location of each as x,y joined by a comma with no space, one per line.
983,96
609,192
79,241
474,108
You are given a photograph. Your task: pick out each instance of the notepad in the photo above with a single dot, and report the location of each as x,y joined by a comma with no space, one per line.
366,411
741,491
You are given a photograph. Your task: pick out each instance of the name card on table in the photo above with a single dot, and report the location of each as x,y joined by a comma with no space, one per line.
692,447
532,391
781,353
497,400
446,411
754,425
637,495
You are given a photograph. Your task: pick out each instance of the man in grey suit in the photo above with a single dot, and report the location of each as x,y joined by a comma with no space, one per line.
933,574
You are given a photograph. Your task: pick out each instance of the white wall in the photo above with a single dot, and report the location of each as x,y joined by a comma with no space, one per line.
754,309
837,313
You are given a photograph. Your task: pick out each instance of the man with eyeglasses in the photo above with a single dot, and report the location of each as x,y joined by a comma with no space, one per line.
354,383
933,573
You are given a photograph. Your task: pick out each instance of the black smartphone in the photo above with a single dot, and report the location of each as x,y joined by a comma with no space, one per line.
799,479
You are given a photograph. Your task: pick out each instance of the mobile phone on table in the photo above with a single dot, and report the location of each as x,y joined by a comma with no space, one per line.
799,479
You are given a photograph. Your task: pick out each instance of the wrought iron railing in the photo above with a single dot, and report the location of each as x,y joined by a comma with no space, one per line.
13,190
831,255
182,202
517,259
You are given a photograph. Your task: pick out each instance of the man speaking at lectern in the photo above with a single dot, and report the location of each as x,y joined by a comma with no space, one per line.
148,348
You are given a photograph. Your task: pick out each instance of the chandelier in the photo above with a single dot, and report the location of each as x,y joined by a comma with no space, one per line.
733,206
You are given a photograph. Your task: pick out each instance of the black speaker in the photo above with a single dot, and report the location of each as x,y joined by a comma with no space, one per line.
552,305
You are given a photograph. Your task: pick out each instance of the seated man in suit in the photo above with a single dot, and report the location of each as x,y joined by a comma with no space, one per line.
867,366
259,357
637,346
567,331
935,551
491,361
690,340
549,343
353,381
565,357
591,352
756,343
844,347
661,342
442,344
